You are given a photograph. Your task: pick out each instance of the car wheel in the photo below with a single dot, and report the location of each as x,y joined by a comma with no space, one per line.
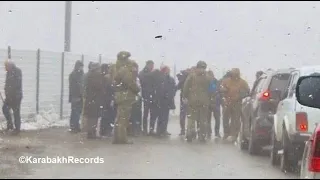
284,157
242,141
254,147
275,146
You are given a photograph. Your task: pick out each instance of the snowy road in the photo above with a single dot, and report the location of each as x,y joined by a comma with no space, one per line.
146,158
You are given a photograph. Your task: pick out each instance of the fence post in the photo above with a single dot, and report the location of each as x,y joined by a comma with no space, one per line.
38,81
100,58
9,52
62,85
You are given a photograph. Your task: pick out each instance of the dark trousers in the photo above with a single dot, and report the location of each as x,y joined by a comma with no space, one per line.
217,116
135,118
163,119
156,111
92,123
76,109
149,108
108,115
183,115
15,106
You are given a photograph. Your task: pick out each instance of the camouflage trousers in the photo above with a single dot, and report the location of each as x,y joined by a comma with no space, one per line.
231,119
122,123
197,115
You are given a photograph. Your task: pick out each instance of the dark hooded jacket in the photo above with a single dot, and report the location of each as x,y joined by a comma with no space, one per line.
76,83
85,76
108,88
94,92
182,76
166,91
13,84
147,83
157,77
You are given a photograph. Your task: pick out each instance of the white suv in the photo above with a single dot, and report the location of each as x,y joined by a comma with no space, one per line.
293,125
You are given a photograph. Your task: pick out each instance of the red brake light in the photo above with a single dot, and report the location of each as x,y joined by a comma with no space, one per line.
301,122
314,158
265,96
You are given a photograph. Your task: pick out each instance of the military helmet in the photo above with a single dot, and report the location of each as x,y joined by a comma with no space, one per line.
202,64
123,55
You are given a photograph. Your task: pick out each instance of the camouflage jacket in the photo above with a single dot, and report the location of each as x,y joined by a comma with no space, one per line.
125,84
196,88
234,90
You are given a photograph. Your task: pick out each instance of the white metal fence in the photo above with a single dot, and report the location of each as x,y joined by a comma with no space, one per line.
44,79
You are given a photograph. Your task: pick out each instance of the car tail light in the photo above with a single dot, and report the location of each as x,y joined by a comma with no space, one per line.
301,122
265,96
314,158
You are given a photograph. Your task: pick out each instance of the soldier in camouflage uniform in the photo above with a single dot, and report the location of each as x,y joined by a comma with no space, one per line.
196,94
234,89
125,95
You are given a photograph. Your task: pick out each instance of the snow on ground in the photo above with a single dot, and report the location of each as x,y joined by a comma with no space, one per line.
51,118
43,120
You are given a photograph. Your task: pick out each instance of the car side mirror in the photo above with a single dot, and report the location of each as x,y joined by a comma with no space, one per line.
308,91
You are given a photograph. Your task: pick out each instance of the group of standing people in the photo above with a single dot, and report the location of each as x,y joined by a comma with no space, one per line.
115,94
203,95
129,102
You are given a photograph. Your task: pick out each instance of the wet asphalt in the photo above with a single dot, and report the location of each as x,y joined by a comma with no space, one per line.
148,157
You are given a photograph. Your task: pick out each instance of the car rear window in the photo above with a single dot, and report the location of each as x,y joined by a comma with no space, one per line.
279,82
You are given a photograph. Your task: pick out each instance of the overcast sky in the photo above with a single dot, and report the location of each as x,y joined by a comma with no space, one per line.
249,35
